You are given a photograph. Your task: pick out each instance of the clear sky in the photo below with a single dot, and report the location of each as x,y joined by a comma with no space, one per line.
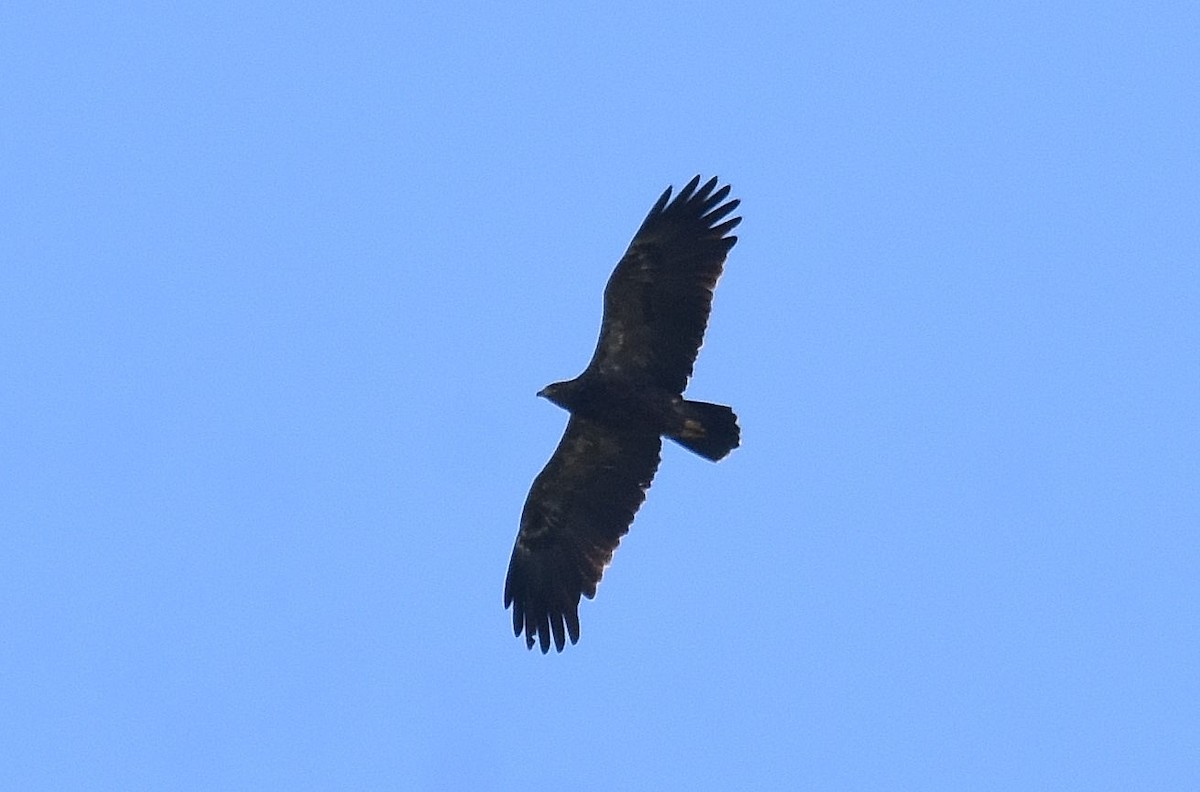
279,281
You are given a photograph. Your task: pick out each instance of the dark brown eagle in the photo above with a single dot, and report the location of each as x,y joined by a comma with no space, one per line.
629,397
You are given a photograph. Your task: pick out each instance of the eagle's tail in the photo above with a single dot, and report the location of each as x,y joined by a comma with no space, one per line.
710,430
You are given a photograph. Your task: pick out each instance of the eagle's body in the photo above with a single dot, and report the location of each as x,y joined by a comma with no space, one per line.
656,308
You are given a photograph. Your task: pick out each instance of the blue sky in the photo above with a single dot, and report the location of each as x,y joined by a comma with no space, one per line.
278,283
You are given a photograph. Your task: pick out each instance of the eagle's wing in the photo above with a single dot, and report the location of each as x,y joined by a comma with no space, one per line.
657,301
579,507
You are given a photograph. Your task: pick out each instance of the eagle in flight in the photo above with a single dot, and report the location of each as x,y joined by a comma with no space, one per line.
630,396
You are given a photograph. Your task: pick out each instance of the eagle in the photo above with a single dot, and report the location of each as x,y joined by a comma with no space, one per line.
630,396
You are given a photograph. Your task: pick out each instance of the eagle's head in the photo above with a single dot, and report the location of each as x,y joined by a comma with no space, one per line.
559,393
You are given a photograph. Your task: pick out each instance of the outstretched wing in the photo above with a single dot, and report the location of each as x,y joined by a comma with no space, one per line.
579,507
657,301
